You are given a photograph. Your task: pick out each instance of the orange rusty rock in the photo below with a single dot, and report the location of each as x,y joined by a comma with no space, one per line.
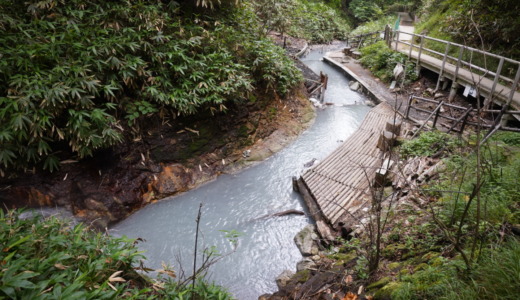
37,198
173,179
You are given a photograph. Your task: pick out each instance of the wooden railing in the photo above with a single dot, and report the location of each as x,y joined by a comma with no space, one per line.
366,39
464,115
475,60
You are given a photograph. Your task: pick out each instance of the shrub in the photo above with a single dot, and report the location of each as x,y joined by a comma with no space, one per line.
50,259
73,75
382,60
429,143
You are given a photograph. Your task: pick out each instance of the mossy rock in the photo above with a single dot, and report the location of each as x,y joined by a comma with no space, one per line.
302,276
379,284
342,258
393,250
386,292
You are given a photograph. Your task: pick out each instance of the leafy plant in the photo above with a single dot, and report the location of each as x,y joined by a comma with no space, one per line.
429,143
382,60
73,75
51,259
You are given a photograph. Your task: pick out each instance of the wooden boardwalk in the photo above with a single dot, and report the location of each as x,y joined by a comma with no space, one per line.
339,185
498,84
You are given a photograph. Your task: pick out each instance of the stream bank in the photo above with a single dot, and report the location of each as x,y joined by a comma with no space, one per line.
173,157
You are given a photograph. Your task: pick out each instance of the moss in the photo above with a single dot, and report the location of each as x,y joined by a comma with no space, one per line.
430,256
420,267
387,290
395,266
379,284
342,258
302,276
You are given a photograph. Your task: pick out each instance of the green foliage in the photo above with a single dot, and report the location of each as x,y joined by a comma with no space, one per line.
312,20
365,10
49,259
495,277
382,60
374,25
483,24
429,143
74,74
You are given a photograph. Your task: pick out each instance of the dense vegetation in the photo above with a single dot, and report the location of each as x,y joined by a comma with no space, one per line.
382,60
50,259
77,75
466,248
312,20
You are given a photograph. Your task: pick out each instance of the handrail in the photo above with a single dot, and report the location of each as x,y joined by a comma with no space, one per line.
459,61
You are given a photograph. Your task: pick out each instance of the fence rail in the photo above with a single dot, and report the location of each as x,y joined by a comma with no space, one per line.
482,64
464,116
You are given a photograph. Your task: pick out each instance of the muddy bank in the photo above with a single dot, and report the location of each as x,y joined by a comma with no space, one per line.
171,157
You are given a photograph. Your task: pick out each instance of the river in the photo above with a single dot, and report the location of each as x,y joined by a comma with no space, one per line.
233,202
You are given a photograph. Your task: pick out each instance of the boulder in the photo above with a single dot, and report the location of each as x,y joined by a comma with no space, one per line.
354,85
306,239
283,279
305,264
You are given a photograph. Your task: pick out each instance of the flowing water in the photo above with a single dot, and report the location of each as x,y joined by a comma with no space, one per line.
234,202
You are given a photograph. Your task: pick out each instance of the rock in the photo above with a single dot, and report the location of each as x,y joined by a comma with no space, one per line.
370,103
315,257
354,85
171,180
246,153
429,91
305,241
438,95
305,264
283,279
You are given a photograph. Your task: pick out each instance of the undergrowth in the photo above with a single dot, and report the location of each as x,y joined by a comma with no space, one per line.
50,259
381,60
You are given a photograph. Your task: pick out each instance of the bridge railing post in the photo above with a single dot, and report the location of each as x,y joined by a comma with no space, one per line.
420,50
396,39
441,72
461,51
409,106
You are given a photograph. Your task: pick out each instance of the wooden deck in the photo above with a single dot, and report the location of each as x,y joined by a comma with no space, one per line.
339,185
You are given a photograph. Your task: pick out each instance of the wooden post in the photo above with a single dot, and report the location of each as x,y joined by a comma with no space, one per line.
386,141
420,51
396,39
464,116
394,126
489,99
453,91
437,115
411,46
441,72
515,85
429,117
458,63
408,107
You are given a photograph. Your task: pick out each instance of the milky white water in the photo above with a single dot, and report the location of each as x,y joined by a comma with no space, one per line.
232,202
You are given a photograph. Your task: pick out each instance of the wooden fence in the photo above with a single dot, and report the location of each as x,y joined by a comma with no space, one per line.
465,115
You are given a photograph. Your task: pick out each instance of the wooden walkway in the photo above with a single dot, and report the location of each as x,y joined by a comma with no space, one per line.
497,85
339,185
